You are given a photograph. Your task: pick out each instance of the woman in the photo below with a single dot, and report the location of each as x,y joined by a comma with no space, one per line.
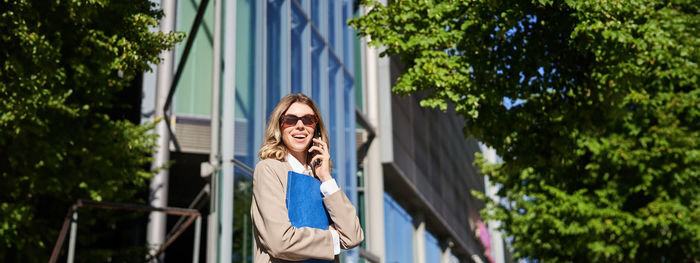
286,148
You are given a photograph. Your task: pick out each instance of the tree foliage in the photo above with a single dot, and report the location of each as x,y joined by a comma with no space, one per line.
62,63
592,105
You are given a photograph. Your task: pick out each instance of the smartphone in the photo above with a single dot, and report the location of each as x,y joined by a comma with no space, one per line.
317,134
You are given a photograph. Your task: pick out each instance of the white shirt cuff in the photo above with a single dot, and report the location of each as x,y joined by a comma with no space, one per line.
329,187
336,242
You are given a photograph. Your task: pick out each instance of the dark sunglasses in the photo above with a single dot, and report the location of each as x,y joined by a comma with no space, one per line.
291,120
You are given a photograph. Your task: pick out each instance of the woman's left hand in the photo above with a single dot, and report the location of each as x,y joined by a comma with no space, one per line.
322,169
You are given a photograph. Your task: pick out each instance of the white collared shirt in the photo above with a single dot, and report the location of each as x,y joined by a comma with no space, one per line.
327,188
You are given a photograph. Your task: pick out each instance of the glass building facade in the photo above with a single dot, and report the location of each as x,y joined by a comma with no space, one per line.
290,46
282,47
399,231
306,46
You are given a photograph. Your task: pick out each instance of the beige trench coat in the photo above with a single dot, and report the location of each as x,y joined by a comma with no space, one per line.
276,240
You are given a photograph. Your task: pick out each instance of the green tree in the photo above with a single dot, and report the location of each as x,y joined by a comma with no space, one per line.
592,105
62,66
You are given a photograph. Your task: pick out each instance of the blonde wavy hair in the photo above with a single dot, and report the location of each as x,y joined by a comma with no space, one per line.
273,146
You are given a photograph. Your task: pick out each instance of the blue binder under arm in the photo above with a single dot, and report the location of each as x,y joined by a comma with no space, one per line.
305,204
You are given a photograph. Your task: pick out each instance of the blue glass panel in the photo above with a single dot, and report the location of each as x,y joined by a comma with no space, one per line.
331,24
348,35
317,65
432,248
274,54
248,121
247,63
349,135
317,13
398,232
297,65
333,68
304,4
348,86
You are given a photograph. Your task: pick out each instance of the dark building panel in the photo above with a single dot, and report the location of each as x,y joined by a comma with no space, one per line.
432,172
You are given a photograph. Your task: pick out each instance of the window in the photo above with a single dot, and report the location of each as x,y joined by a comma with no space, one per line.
334,99
249,121
318,62
299,49
432,248
276,42
398,231
193,92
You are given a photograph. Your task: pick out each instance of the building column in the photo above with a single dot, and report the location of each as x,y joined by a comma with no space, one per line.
419,238
445,256
374,189
228,120
214,153
158,187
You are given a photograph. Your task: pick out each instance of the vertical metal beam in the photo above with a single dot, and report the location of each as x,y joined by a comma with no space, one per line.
214,154
374,173
419,238
159,184
73,233
385,129
197,237
228,95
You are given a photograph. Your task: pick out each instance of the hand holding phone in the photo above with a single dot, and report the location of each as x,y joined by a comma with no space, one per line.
320,158
317,135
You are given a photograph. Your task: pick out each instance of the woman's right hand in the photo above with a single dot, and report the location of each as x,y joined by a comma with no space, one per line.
322,170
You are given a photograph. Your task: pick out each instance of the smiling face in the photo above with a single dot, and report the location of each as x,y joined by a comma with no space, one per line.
297,137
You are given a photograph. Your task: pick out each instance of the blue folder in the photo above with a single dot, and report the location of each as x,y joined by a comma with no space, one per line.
305,204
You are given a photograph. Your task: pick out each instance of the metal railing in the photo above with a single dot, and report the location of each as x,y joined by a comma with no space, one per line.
71,222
